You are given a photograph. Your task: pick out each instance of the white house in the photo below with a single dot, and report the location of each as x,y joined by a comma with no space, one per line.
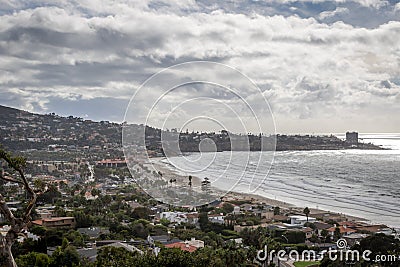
299,220
180,217
236,210
194,242
216,218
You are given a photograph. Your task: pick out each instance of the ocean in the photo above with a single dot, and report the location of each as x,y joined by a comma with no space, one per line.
364,183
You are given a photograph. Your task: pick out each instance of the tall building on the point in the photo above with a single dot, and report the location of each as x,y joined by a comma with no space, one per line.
352,138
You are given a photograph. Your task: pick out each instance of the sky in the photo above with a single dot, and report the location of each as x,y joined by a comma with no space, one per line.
322,66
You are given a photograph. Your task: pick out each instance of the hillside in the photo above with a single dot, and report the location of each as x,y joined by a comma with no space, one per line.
21,130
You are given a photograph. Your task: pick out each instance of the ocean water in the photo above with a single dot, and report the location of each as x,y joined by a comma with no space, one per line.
363,183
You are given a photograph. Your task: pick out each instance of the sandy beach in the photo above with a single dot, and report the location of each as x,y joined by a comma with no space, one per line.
181,180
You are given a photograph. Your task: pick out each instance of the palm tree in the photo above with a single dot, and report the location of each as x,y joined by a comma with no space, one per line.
306,211
190,180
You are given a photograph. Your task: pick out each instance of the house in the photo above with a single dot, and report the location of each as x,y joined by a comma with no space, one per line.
237,241
354,238
91,253
56,222
238,228
349,224
179,217
236,210
344,230
89,196
216,218
194,242
44,214
280,218
267,214
163,239
182,246
21,238
93,232
386,231
192,218
371,228
246,207
320,226
308,231
299,220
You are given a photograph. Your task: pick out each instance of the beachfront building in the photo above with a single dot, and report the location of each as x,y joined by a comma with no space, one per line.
300,220
343,229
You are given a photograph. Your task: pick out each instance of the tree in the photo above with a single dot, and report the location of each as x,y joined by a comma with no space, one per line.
165,222
295,237
306,211
33,259
203,220
141,213
66,256
277,210
227,208
113,256
337,233
14,172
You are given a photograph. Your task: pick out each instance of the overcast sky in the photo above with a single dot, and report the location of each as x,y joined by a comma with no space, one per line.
323,66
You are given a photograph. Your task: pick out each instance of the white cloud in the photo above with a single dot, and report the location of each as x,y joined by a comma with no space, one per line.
367,3
329,14
94,49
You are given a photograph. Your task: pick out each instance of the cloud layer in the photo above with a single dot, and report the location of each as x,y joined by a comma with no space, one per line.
323,65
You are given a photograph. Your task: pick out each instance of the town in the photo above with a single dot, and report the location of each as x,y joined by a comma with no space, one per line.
92,213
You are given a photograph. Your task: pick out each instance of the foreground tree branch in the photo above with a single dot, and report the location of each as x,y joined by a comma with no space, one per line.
17,225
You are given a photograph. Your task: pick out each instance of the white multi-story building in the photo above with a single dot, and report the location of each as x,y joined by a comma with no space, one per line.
299,220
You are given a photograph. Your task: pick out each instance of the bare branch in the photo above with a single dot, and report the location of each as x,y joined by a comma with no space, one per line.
17,224
6,211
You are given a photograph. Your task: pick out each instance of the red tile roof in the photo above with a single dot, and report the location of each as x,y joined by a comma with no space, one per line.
182,246
38,222
342,229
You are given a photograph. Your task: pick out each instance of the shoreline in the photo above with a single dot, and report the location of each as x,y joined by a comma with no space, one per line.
241,196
